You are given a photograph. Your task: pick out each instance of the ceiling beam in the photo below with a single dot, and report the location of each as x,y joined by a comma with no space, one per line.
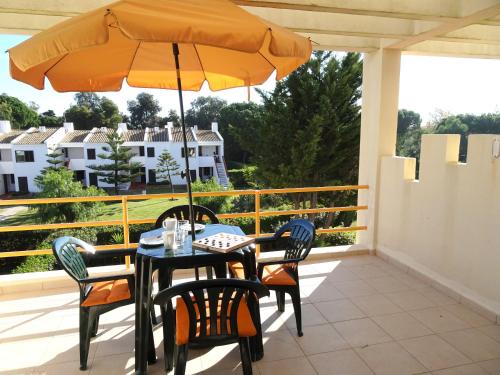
443,29
343,10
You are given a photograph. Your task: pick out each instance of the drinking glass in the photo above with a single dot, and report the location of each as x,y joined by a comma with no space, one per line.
182,231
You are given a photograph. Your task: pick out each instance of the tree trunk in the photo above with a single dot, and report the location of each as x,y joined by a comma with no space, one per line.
171,184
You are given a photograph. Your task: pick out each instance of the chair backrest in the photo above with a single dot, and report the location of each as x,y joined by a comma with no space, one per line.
299,243
212,305
201,215
69,258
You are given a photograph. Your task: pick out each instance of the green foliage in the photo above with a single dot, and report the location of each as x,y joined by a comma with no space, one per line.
216,204
91,110
36,263
244,178
117,237
238,124
49,119
335,239
173,117
58,184
166,168
204,110
144,111
121,170
408,120
20,114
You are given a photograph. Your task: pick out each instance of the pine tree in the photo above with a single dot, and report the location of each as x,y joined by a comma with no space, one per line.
167,167
55,160
121,170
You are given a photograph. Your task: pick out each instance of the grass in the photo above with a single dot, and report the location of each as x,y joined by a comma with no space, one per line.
140,209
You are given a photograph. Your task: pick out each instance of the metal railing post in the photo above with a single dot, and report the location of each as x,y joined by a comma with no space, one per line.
126,232
257,218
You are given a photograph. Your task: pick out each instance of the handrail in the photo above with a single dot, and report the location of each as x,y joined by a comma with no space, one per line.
125,221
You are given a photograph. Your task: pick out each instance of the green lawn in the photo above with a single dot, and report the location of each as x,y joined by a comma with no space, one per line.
140,209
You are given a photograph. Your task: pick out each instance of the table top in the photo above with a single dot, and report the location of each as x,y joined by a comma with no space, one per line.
186,249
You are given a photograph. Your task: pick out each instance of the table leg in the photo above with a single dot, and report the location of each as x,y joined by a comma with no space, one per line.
256,342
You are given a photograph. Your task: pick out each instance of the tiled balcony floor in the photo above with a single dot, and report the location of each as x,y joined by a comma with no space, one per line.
361,316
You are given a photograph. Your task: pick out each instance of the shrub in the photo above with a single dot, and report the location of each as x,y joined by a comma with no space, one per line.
219,204
36,263
335,239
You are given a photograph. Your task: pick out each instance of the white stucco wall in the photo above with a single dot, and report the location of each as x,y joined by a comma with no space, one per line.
448,221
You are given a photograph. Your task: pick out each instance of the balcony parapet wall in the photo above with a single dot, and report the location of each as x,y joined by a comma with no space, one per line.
447,222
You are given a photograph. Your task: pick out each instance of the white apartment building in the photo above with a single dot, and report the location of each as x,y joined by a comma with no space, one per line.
23,154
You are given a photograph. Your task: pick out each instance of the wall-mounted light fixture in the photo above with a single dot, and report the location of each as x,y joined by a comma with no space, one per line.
495,148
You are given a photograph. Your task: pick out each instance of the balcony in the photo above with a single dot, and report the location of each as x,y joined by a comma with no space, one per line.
362,315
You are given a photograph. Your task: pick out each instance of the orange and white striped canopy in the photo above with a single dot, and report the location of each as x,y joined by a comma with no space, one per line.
219,42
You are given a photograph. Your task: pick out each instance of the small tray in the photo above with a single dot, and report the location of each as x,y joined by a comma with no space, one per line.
153,241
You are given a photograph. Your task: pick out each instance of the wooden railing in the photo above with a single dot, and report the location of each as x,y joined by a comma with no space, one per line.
125,222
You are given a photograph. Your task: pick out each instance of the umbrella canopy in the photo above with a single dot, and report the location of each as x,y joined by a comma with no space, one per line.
132,39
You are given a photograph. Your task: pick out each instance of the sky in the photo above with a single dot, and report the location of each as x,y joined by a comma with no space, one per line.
428,85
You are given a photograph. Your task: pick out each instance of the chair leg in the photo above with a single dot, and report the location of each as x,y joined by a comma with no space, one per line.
154,319
168,319
151,345
297,309
180,363
86,320
210,274
280,299
95,326
246,363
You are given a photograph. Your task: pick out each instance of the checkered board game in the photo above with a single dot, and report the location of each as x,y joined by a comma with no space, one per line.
223,242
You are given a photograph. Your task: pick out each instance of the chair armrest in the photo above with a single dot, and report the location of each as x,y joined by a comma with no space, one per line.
271,243
96,279
261,265
113,253
262,240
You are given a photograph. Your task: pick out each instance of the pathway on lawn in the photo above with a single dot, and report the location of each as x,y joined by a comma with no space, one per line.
8,212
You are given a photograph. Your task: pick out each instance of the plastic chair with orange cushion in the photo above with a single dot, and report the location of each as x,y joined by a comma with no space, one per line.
282,275
212,313
98,295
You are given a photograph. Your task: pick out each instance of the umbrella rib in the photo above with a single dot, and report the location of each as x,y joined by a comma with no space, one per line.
133,58
53,65
201,64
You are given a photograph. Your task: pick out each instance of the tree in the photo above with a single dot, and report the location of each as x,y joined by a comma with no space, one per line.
173,117
408,120
49,119
204,110
61,184
54,158
310,130
91,110
21,115
121,170
238,124
5,112
166,168
144,111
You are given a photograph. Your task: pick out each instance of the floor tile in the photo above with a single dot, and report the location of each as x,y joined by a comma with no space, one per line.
292,366
362,332
388,284
310,316
376,304
341,274
339,310
491,367
355,288
368,271
439,298
410,300
474,344
323,292
471,369
342,362
434,353
491,330
402,326
66,368
320,339
439,320
467,315
280,345
390,359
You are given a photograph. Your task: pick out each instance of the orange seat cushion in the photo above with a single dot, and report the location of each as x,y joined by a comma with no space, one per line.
105,292
246,328
275,274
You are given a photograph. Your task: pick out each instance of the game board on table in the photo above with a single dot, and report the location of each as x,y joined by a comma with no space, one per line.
222,242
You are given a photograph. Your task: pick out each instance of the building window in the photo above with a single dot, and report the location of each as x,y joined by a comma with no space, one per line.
23,184
141,150
65,152
191,152
152,176
93,179
80,175
24,157
200,151
151,152
91,153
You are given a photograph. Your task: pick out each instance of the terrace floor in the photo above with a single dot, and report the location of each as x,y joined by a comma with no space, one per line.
361,316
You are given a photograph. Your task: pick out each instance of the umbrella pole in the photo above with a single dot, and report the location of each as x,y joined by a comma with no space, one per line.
175,49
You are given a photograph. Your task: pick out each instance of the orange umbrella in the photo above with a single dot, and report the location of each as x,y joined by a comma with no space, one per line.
211,40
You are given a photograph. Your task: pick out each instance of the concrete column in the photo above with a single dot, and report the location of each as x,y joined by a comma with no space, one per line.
378,132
